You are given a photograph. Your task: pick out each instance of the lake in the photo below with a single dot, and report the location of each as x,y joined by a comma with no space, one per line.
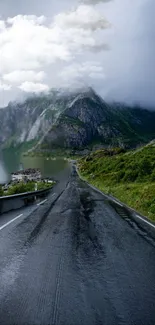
10,162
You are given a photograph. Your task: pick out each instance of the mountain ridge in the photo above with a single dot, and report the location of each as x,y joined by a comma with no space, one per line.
74,120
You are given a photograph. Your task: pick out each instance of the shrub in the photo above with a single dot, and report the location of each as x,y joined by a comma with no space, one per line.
145,167
152,208
28,187
153,176
120,176
1,191
131,175
120,165
20,188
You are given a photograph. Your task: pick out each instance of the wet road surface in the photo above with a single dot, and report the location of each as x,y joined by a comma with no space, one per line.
9,217
76,261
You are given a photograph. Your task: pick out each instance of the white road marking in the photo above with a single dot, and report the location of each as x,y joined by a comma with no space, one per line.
150,224
117,203
8,223
42,202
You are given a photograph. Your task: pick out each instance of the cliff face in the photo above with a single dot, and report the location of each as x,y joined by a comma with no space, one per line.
88,120
74,120
78,124
31,119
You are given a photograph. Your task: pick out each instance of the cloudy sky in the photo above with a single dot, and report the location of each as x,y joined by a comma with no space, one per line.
106,44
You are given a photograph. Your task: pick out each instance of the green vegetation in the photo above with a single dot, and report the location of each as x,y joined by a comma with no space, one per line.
126,118
129,176
55,153
26,187
1,191
10,148
71,120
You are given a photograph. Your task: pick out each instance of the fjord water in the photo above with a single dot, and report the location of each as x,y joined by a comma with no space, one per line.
10,162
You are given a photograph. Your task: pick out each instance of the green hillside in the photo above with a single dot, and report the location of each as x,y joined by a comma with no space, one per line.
129,176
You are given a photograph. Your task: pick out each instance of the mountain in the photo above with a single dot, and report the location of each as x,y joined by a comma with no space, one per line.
29,120
88,120
74,120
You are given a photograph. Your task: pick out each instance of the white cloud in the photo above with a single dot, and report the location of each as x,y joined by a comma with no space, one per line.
27,43
2,25
32,18
19,76
33,87
93,2
31,45
85,17
77,74
4,86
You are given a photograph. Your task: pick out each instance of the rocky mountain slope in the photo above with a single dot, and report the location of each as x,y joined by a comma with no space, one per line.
88,120
74,120
29,120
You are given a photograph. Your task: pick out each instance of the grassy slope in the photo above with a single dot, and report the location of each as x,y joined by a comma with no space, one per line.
128,176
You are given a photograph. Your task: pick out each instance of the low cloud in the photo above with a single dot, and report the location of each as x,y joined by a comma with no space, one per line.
79,74
33,87
17,77
4,86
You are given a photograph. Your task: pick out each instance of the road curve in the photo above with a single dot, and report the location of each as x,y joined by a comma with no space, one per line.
76,261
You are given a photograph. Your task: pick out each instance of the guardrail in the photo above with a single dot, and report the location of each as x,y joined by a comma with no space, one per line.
17,201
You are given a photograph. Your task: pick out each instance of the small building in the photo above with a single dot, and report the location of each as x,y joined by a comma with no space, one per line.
31,174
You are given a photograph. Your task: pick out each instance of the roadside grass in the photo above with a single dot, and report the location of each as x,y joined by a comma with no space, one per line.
129,176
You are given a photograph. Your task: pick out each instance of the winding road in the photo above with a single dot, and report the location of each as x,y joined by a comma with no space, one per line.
75,260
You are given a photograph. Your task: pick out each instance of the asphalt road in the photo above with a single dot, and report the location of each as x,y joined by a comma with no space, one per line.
76,261
24,212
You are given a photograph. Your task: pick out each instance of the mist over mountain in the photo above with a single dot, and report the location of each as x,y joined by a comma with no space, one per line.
74,120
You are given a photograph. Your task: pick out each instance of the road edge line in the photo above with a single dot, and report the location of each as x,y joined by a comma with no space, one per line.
114,200
11,221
